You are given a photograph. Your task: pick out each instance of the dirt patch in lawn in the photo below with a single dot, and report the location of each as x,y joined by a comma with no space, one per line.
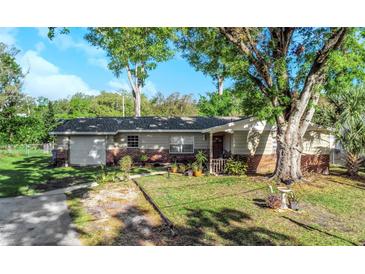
117,214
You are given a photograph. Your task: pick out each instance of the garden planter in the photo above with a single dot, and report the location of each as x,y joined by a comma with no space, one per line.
173,169
198,173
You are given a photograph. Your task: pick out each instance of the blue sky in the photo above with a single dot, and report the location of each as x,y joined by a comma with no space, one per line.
68,64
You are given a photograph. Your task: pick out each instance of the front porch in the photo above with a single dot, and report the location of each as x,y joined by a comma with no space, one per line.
219,151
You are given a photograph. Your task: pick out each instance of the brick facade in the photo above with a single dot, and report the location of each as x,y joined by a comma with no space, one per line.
309,163
316,163
261,164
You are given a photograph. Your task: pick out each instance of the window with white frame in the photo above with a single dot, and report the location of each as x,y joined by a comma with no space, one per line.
182,144
132,141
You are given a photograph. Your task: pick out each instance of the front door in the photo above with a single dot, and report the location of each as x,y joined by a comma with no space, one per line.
217,147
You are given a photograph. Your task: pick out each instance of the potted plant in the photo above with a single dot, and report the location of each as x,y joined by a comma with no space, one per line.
293,201
173,168
197,171
200,160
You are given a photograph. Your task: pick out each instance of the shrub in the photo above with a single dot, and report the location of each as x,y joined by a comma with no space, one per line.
234,167
194,166
182,168
125,164
144,158
200,159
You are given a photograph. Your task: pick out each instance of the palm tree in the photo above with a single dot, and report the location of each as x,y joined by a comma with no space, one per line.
350,126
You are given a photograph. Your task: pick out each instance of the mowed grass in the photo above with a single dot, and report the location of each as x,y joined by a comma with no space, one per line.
232,210
20,173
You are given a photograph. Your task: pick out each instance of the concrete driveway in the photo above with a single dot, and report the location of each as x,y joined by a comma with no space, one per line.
36,220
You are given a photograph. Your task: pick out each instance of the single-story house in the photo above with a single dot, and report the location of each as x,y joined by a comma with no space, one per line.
104,140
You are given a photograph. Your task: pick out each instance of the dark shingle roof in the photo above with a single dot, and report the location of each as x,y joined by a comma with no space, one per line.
113,124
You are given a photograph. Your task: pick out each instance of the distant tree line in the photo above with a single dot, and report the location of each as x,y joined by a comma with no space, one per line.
32,118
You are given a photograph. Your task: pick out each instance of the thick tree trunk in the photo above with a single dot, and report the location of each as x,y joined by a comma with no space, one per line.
289,153
220,85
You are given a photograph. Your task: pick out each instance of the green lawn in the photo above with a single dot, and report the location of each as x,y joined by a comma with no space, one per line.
19,173
232,211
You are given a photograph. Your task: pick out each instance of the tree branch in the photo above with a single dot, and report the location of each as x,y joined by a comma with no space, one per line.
241,37
309,114
281,38
314,75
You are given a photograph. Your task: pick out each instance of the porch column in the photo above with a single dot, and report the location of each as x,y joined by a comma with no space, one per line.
210,152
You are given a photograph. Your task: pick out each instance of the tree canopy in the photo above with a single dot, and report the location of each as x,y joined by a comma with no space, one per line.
207,52
135,51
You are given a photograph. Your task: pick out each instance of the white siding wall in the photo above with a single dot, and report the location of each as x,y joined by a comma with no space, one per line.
240,143
159,140
316,142
62,142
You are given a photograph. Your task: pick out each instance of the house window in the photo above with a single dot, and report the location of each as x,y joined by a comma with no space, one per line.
182,144
132,141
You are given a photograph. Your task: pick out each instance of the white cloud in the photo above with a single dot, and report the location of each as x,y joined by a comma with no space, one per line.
45,79
94,55
7,36
99,62
31,61
119,84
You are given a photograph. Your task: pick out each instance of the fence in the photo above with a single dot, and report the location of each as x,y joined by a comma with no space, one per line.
26,149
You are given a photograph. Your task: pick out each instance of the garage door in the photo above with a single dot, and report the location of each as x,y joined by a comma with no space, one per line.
87,150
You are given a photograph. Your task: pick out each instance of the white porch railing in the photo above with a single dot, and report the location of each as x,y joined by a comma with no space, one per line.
218,165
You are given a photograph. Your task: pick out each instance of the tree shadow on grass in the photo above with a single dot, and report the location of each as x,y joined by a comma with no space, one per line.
203,227
312,228
260,203
31,172
226,225
360,182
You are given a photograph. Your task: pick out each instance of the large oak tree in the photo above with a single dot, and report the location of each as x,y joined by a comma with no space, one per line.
289,67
